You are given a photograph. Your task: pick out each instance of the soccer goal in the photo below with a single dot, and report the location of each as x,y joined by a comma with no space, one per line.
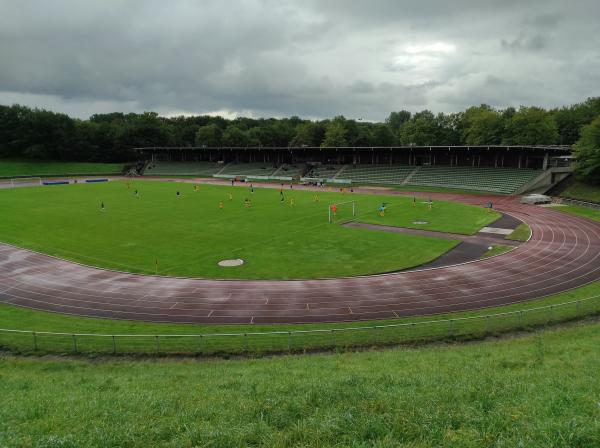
342,211
20,182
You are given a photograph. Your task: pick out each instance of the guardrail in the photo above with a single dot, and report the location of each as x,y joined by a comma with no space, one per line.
294,341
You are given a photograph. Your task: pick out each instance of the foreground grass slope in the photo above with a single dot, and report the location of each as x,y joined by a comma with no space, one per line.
189,234
19,168
583,192
536,391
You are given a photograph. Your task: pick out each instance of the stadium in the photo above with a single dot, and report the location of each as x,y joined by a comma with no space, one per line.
423,252
249,252
299,224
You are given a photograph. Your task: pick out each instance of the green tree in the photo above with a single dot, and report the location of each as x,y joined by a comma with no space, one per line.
531,126
587,152
571,119
209,135
335,134
235,137
382,135
364,135
422,130
481,125
397,119
308,134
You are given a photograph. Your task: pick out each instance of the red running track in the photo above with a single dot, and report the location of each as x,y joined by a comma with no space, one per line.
563,253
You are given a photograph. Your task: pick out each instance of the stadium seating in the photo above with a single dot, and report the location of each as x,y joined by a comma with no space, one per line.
291,170
377,174
249,169
324,171
497,180
204,169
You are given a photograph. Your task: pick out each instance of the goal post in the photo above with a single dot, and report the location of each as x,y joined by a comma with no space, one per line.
336,208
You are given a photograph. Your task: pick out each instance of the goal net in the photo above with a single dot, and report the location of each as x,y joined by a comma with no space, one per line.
342,211
20,182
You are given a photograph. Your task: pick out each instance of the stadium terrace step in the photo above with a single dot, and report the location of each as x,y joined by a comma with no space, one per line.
495,180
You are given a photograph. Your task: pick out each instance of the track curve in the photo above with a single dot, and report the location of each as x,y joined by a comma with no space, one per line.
563,253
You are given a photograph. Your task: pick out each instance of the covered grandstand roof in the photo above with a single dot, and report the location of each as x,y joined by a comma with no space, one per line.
565,148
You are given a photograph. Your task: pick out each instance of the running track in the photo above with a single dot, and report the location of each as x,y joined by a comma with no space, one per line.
563,253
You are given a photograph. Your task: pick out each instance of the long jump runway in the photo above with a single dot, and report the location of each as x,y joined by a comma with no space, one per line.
563,253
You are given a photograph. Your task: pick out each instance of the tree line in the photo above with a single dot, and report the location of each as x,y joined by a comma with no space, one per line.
42,134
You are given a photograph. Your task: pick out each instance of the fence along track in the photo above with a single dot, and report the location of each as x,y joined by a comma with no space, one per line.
29,341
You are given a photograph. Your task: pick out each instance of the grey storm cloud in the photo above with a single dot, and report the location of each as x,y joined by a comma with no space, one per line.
309,58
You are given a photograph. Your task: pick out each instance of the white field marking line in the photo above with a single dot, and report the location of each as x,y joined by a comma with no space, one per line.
535,290
142,297
375,275
241,316
494,298
238,289
440,306
111,306
234,313
507,313
588,236
104,310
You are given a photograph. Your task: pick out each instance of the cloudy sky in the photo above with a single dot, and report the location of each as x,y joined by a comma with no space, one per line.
312,58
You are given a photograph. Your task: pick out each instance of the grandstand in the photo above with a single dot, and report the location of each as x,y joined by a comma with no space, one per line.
291,170
202,169
496,169
497,180
249,169
377,174
325,171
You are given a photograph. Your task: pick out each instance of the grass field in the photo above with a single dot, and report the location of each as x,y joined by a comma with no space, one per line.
15,168
497,250
583,192
521,233
540,390
190,234
580,211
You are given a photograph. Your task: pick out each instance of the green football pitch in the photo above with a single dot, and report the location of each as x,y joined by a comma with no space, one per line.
187,235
